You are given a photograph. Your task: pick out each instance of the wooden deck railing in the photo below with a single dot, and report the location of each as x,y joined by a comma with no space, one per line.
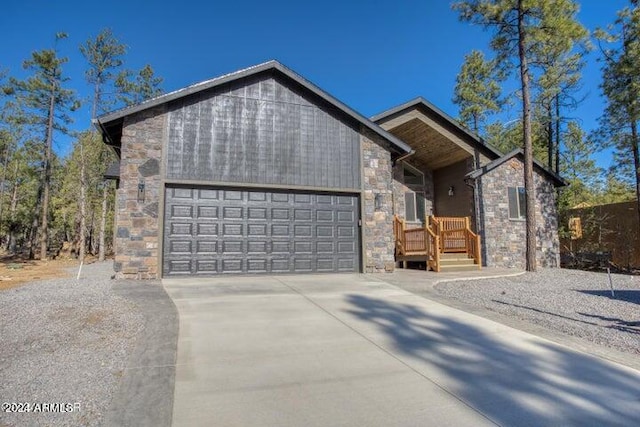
456,236
440,235
417,242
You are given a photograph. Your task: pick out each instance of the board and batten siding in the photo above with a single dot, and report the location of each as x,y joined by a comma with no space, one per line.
261,131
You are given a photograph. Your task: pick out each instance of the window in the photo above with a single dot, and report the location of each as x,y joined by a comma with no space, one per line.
414,206
412,176
517,203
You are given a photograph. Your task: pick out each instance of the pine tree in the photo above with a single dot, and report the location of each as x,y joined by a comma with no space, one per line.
560,61
579,168
521,28
135,88
621,87
47,103
477,91
104,57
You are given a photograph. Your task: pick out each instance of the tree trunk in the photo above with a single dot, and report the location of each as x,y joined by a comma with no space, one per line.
3,180
83,206
103,220
557,144
32,234
636,161
529,184
550,149
44,232
13,207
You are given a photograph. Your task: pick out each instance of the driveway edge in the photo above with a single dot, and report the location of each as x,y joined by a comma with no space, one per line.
145,395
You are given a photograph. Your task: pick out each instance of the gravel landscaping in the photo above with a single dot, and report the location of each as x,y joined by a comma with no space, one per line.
65,341
572,302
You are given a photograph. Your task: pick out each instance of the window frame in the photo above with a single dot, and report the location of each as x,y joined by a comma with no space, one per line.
416,199
521,201
414,171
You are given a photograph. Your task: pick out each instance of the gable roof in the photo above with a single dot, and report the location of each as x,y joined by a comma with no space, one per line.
422,103
557,179
106,121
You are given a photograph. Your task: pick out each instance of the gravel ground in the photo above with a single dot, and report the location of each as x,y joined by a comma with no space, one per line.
65,341
572,302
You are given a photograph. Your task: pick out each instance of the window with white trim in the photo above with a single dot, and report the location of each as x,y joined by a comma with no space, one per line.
414,206
517,203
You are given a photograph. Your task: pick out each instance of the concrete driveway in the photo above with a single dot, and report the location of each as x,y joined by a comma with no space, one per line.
352,350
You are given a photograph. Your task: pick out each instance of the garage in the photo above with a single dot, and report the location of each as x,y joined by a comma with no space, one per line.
254,172
217,230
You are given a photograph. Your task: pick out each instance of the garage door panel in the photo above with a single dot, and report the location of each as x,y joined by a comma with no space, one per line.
281,247
207,212
180,246
182,211
232,195
257,213
206,247
257,230
257,247
208,266
180,267
233,247
181,229
182,193
280,265
208,194
280,214
232,266
211,231
258,265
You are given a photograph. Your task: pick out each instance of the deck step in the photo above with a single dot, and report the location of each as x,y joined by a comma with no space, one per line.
456,261
454,255
458,267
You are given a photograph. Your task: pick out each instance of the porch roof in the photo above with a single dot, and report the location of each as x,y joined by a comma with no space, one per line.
438,139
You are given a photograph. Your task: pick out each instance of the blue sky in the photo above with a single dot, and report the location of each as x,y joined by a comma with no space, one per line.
372,54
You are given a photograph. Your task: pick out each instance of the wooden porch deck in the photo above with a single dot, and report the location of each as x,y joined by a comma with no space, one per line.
444,243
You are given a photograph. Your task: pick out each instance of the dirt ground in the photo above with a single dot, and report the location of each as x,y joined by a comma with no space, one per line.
15,271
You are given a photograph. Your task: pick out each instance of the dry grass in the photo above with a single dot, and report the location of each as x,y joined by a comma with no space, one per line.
15,271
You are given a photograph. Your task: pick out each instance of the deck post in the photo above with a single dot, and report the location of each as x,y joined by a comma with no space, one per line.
436,256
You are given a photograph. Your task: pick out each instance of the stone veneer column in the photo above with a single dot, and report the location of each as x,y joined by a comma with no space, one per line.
137,221
377,225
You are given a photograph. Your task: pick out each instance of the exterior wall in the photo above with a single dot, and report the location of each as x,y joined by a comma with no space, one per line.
261,131
505,239
461,203
399,188
136,241
377,225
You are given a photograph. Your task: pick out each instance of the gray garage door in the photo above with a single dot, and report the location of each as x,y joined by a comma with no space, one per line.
211,231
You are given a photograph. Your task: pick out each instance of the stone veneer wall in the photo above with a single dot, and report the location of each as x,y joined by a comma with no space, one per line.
505,239
377,226
137,222
399,188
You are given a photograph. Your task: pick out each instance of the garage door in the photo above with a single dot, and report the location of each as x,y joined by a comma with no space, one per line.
211,231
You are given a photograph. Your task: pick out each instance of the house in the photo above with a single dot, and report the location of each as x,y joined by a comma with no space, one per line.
260,171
